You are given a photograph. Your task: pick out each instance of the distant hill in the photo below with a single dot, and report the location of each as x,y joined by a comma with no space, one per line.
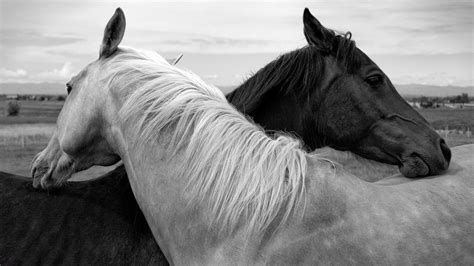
404,90
431,90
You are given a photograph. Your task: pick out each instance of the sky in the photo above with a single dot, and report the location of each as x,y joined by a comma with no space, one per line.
423,41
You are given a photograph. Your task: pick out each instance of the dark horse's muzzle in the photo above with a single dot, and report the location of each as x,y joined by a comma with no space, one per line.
415,147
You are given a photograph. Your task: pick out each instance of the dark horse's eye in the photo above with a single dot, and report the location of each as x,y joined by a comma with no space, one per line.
68,88
375,80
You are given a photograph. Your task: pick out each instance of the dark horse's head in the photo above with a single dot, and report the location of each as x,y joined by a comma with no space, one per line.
331,93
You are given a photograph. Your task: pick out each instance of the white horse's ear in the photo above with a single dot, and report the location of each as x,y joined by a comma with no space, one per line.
113,34
174,61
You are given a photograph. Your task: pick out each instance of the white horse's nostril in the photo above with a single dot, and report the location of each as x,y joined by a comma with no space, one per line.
38,171
36,182
33,171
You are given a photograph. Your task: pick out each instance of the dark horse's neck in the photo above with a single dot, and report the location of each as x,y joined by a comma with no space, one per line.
283,94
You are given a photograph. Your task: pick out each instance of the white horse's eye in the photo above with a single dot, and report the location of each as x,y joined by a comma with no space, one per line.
68,88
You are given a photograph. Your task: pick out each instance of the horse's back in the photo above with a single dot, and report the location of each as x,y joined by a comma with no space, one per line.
423,221
92,222
464,156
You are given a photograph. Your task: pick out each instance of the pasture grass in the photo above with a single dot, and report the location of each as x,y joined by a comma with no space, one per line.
440,118
32,112
454,140
19,143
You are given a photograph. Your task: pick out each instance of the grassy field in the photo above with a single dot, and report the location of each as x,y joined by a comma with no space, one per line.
16,159
452,124
460,119
20,142
22,137
32,112
457,139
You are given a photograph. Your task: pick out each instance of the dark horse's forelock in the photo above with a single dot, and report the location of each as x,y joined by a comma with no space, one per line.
344,49
299,71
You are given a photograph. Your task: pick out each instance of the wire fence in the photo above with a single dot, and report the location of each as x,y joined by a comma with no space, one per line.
446,132
25,134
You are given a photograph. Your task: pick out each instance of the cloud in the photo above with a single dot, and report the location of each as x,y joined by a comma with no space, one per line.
70,53
193,42
210,76
226,41
6,74
48,34
213,41
435,78
62,74
32,38
406,27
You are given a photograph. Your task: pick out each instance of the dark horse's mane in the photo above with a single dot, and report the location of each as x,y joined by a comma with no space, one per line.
298,71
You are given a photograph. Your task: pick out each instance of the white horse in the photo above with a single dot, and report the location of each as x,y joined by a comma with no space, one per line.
216,190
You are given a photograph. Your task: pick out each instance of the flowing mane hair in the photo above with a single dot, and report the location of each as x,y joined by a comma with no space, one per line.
234,169
299,72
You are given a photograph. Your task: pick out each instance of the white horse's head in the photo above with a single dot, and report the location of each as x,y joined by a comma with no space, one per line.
82,137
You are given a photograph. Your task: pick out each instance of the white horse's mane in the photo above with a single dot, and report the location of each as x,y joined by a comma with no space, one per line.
233,167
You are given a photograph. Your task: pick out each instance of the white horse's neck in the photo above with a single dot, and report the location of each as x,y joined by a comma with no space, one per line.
259,182
161,197
155,193
178,228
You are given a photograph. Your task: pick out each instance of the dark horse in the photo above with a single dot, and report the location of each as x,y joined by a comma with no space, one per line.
99,222
96,222
331,93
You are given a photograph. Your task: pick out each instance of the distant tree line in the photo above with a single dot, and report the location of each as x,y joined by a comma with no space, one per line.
25,97
427,102
463,98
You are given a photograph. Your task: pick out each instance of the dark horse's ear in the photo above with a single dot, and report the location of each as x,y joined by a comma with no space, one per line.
113,34
316,34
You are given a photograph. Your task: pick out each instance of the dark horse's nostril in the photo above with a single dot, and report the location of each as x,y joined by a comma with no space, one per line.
445,149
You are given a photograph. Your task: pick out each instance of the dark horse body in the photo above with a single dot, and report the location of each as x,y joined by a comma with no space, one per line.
96,222
99,221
